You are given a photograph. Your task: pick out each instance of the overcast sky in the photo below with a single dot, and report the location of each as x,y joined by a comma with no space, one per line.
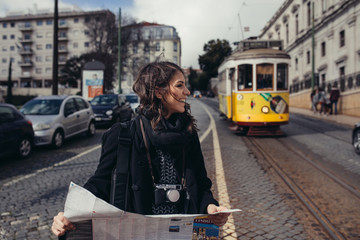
196,21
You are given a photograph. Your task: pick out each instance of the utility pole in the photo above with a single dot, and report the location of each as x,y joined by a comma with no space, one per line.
119,51
9,87
313,49
55,51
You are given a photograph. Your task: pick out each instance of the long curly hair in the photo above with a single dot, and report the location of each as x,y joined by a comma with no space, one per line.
157,75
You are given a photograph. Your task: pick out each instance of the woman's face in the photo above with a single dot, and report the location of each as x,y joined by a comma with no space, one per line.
174,100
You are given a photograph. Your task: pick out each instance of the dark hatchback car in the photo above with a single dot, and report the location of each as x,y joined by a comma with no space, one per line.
16,132
356,137
111,108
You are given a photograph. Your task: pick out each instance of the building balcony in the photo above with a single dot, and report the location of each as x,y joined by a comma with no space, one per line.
25,76
27,40
63,51
25,28
26,64
63,26
63,39
26,51
61,63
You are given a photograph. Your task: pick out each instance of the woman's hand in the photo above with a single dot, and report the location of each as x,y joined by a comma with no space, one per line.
61,224
218,219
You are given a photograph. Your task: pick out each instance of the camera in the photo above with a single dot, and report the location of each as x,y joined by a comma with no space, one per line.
168,193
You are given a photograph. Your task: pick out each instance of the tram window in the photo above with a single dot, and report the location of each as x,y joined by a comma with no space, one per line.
282,76
245,76
264,76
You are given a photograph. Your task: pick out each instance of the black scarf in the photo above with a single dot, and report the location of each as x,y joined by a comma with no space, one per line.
170,134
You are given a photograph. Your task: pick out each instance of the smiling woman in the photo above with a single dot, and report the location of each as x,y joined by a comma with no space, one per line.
166,173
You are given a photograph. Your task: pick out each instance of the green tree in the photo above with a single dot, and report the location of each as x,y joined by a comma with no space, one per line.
215,53
192,77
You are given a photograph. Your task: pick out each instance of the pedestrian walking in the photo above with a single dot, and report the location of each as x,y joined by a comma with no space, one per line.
315,100
165,150
334,98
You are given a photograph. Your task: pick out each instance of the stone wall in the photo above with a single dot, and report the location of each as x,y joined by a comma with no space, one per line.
349,103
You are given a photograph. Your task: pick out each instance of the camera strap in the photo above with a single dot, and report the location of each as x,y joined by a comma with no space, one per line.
149,158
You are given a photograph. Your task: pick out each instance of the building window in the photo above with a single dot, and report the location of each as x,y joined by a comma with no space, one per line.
12,48
38,58
62,22
323,49
12,24
75,45
296,24
12,36
324,5
86,44
278,34
87,19
296,64
323,77
157,46
175,47
62,34
48,58
39,22
86,32
48,46
308,57
308,14
342,72
48,70
4,37
4,60
76,20
49,22
4,48
175,59
342,38
38,70
4,25
39,34
287,33
38,46
27,36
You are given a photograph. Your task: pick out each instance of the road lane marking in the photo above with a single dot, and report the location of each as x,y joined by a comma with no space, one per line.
220,174
21,178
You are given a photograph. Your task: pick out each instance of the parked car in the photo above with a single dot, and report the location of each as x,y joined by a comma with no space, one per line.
111,108
56,118
133,100
356,137
197,94
210,94
16,132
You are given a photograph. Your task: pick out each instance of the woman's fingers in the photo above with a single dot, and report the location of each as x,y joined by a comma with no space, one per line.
61,224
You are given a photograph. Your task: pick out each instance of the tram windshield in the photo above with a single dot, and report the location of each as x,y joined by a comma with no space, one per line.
282,76
245,77
264,76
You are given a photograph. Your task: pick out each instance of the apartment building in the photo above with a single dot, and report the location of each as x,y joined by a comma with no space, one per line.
148,42
336,48
27,41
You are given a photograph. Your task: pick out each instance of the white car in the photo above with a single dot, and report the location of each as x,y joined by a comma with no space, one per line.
56,118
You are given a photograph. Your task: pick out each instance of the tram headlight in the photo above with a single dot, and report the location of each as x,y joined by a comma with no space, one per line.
265,109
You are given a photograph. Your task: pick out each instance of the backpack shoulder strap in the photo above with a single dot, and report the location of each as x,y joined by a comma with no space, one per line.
120,179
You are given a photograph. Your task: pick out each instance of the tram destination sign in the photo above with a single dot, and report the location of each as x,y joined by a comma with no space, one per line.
254,44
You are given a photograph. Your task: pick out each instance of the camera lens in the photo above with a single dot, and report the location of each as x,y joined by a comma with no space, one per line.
173,195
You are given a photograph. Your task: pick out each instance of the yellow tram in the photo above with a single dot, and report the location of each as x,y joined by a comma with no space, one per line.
253,87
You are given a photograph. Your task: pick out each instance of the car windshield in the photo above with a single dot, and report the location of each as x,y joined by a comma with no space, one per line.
132,98
104,100
42,107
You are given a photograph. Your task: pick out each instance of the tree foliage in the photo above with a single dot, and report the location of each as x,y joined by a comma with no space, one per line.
215,53
103,34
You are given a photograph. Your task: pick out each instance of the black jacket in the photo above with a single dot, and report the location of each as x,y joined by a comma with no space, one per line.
141,187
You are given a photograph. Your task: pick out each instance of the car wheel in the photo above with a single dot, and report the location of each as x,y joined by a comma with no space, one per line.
24,148
91,129
58,139
356,141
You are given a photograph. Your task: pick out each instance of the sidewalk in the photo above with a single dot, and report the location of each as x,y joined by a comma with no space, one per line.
348,121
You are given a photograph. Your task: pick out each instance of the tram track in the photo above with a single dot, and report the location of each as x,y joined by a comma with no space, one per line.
331,201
